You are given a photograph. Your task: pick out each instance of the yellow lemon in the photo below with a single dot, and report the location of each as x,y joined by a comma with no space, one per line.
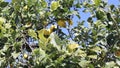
61,23
53,27
25,7
25,56
70,22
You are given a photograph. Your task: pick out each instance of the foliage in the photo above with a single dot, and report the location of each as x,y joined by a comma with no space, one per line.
32,36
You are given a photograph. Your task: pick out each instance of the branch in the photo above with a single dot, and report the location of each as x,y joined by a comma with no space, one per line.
115,22
70,33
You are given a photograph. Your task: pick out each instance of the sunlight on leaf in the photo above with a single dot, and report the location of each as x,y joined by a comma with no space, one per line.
32,33
2,20
15,55
84,63
92,56
54,5
96,49
96,2
110,64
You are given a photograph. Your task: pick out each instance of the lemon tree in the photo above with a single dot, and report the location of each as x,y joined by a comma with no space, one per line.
53,34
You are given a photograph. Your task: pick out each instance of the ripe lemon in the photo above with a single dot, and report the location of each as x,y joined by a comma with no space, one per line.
61,23
25,7
53,27
25,56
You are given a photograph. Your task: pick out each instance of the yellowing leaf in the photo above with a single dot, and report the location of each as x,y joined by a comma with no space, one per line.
54,5
70,22
47,32
41,36
61,23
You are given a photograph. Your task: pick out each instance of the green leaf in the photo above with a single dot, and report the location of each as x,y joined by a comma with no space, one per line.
3,4
44,4
100,14
96,49
96,2
54,5
84,63
93,56
7,25
110,64
81,53
32,33
2,20
15,55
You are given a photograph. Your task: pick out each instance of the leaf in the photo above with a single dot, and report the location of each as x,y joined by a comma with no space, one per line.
73,46
110,64
96,49
15,55
61,23
41,36
32,33
4,4
2,20
81,53
54,5
96,2
84,63
93,56
70,22
100,14
44,4
118,62
7,25
53,41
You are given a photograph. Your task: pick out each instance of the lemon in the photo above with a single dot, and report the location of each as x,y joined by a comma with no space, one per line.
25,7
53,27
61,23
25,56
70,22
